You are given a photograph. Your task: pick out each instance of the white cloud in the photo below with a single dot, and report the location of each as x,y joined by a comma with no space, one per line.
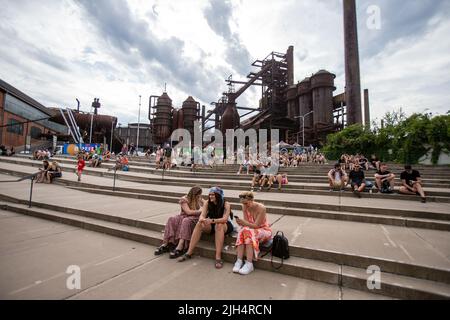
56,51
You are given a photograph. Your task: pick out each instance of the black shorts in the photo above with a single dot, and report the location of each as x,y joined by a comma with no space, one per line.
357,183
229,228
56,174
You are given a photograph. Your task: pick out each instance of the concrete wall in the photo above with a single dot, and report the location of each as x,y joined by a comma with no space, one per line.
444,158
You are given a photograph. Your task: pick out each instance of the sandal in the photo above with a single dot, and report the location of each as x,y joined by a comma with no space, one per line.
176,254
219,264
161,250
184,257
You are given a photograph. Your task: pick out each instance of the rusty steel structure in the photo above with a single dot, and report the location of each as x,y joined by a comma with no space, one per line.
102,125
164,118
308,107
283,105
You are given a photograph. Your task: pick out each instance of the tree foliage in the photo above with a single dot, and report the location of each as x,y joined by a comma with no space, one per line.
400,139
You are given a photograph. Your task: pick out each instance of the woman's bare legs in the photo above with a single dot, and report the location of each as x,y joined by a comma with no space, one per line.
249,252
196,235
221,229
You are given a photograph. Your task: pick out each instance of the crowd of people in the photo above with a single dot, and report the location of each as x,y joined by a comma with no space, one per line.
292,159
130,150
7,152
41,155
213,216
383,179
167,158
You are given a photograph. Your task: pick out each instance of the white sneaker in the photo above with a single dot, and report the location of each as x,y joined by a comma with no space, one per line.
238,266
247,268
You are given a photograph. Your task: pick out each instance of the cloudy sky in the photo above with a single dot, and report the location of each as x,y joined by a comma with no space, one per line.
60,50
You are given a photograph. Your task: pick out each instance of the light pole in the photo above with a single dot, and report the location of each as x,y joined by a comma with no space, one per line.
92,120
90,131
303,125
112,131
139,122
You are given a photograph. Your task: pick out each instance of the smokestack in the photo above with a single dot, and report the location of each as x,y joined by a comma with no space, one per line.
352,72
290,65
366,108
203,116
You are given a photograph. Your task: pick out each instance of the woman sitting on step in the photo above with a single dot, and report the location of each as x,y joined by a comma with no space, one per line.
54,171
279,181
214,220
178,230
254,229
42,176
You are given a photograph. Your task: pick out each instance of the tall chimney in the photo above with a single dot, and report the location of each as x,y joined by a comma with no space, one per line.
352,72
290,65
366,109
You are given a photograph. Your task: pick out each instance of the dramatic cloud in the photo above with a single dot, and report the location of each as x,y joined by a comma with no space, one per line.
59,50
134,38
219,15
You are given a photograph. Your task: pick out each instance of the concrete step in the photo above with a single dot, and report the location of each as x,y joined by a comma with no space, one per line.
388,265
432,194
435,181
164,195
314,170
386,219
392,285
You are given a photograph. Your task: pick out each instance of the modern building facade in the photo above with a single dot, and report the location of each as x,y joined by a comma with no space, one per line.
24,122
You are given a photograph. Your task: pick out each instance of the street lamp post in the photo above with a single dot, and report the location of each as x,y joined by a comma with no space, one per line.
112,131
303,126
139,122
90,132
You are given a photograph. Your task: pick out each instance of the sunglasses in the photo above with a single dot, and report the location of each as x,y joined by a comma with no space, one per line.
245,197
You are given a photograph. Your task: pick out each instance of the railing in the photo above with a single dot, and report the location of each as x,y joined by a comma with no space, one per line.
72,125
32,177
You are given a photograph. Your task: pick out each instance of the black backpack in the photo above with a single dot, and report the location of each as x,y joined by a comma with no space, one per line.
279,248
385,187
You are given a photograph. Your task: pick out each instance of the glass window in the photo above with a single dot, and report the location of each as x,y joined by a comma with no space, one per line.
35,133
15,126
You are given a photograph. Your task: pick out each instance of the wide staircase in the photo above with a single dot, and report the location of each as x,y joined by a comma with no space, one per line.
334,237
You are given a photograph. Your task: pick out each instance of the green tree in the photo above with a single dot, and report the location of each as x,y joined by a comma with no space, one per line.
401,139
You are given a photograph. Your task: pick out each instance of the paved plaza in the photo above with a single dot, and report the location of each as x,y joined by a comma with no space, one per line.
111,236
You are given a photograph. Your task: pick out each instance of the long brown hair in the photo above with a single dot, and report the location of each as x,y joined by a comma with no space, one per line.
191,198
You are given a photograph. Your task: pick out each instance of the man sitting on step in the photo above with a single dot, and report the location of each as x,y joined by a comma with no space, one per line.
412,183
357,180
385,180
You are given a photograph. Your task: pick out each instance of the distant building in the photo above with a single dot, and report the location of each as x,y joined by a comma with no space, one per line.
24,121
129,135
